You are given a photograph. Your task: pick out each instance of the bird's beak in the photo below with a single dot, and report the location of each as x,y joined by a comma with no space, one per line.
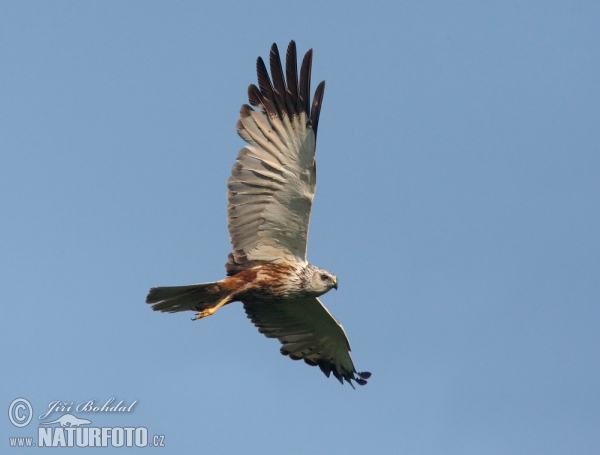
335,285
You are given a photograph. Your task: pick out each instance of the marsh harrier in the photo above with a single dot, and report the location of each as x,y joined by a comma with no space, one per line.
271,190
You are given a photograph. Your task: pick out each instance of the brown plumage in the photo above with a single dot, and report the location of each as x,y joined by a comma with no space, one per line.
270,196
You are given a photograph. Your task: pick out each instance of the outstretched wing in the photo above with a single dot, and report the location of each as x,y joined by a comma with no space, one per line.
272,183
308,331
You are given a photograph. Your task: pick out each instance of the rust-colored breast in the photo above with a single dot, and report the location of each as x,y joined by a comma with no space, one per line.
240,280
264,282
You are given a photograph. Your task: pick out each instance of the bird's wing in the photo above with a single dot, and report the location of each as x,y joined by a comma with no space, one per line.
307,331
273,181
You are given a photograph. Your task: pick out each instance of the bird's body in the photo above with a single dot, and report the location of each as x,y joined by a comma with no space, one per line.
270,195
289,281
261,283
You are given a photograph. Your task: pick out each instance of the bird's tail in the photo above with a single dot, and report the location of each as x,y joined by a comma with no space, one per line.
195,297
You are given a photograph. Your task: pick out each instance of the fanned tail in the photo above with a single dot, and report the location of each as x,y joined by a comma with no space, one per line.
194,297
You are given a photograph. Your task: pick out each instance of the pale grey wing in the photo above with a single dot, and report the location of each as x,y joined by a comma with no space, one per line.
307,331
273,181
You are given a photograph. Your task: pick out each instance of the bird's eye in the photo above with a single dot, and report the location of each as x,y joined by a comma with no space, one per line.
324,277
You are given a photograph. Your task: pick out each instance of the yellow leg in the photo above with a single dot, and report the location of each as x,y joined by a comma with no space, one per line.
212,309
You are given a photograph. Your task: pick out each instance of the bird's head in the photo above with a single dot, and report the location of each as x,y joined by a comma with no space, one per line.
323,281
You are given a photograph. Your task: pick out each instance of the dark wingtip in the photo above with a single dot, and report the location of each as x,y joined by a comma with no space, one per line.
245,111
361,377
151,297
315,111
304,88
254,96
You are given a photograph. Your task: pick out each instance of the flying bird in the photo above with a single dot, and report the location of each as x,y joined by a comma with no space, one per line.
271,190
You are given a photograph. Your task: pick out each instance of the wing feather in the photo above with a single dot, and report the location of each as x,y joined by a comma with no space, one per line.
307,330
305,71
316,106
260,133
274,177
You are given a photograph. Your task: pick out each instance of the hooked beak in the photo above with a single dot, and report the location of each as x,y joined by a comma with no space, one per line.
335,285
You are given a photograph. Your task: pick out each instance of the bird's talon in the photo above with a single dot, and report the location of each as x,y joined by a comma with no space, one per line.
201,314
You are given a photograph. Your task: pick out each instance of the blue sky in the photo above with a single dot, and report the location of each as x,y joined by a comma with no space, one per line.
457,202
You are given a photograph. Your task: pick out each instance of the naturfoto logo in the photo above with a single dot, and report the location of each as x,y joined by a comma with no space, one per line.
70,430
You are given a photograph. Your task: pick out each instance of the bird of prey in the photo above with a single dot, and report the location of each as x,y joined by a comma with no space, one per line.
271,190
